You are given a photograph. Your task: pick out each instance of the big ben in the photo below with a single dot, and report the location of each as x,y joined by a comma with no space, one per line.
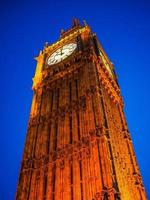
78,146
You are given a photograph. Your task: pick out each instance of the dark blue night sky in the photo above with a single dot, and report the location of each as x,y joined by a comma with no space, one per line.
123,27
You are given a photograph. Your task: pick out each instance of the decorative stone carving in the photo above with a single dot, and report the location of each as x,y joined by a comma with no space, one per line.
61,164
98,196
110,86
82,102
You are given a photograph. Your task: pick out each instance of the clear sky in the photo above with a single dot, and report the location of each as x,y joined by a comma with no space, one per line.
123,27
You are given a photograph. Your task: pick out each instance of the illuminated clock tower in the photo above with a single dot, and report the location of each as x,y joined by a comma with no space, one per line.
78,146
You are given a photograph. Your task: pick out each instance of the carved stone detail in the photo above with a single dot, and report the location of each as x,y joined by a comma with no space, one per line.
78,150
110,85
109,193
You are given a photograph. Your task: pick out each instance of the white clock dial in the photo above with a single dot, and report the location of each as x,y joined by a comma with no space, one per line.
62,53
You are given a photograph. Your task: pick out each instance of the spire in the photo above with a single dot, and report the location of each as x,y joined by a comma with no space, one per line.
62,31
84,22
75,22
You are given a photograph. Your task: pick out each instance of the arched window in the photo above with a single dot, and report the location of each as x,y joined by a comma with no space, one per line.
105,196
117,197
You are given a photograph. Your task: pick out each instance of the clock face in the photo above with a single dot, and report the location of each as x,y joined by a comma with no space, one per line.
61,53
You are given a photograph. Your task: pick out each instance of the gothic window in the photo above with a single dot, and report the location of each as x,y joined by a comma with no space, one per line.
95,45
70,118
55,70
44,187
53,182
81,181
70,126
105,196
71,181
117,197
79,43
70,92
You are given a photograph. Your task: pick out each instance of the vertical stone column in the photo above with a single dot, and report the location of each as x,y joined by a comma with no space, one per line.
82,84
30,145
139,192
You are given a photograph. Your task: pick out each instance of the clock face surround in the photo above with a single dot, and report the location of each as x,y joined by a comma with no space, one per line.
61,53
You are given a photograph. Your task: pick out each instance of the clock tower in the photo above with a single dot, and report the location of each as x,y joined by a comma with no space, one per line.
78,145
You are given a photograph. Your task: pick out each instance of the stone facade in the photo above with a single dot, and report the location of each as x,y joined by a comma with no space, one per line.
78,146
